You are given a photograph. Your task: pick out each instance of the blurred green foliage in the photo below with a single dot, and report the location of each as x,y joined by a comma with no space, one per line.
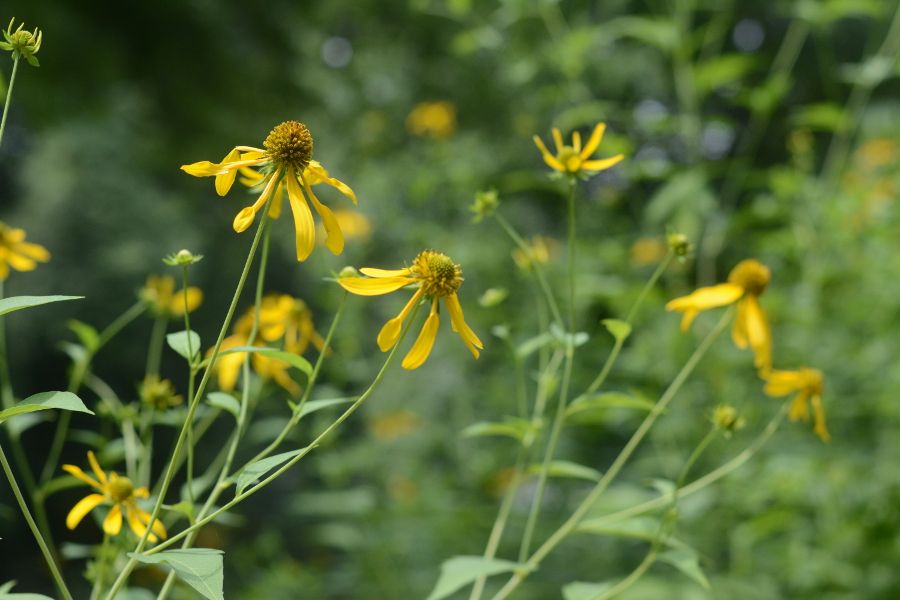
764,129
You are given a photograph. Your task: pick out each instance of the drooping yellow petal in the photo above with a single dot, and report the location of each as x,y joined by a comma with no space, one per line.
819,427
390,333
194,300
321,174
706,297
112,524
95,467
374,287
304,227
758,333
224,181
244,219
782,383
602,164
334,238
79,474
551,160
799,410
458,321
250,177
138,525
594,141
228,366
420,350
384,272
83,507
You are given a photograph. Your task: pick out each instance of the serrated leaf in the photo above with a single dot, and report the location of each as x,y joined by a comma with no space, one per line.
200,568
618,328
8,305
295,360
46,401
685,560
178,342
87,334
565,468
224,401
460,571
509,427
580,590
255,471
589,408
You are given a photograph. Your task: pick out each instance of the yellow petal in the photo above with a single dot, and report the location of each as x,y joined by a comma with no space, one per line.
194,299
594,141
459,325
321,174
420,350
576,141
136,525
204,168
334,238
33,251
758,333
224,181
707,297
819,418
373,287
782,383
83,507
250,177
20,263
558,139
602,164
390,333
112,524
688,318
304,227
384,272
144,517
277,202
551,160
79,474
244,219
95,467
799,410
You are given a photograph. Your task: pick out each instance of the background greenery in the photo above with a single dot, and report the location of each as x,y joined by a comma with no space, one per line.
760,129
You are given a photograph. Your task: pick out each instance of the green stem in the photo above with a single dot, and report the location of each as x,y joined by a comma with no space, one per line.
189,486
195,401
155,348
569,525
51,563
100,573
12,82
6,389
318,440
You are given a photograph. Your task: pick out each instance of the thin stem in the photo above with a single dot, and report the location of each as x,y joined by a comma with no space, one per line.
48,556
321,437
6,389
100,574
9,90
195,401
155,348
569,525
571,254
189,486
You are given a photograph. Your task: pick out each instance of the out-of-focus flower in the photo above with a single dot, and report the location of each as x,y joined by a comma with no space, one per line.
158,393
574,159
160,295
747,280
726,418
647,251
806,383
437,277
116,491
285,165
283,317
22,43
537,251
432,119
15,252
486,202
392,426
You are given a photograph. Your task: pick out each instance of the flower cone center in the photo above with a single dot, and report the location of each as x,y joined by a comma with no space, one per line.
290,145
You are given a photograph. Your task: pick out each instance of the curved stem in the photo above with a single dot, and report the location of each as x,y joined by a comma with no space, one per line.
12,82
566,528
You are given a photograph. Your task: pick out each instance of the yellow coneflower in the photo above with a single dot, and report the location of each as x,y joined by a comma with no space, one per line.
117,491
807,384
283,317
285,163
747,280
574,159
15,252
437,277
159,293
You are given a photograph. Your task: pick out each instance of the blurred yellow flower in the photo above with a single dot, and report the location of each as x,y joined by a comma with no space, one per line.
648,251
807,384
437,277
537,251
120,493
392,426
355,225
575,159
285,165
158,394
747,280
15,252
432,119
283,317
159,293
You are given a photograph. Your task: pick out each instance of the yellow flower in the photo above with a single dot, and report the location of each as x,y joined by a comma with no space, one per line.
807,384
285,164
120,493
15,252
432,119
538,251
354,225
437,277
648,251
747,280
160,294
575,159
283,317
158,393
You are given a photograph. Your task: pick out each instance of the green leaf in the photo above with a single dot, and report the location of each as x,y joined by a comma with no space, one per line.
565,468
295,360
659,32
178,342
825,116
5,593
580,338
579,590
226,402
87,335
19,302
590,408
642,528
721,71
317,405
532,345
460,571
510,427
619,329
200,568
685,560
46,401
255,471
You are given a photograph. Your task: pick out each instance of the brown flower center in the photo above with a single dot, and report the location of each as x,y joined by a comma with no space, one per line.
437,272
290,145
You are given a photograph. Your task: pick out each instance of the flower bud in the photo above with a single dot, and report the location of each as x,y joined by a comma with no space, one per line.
22,43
